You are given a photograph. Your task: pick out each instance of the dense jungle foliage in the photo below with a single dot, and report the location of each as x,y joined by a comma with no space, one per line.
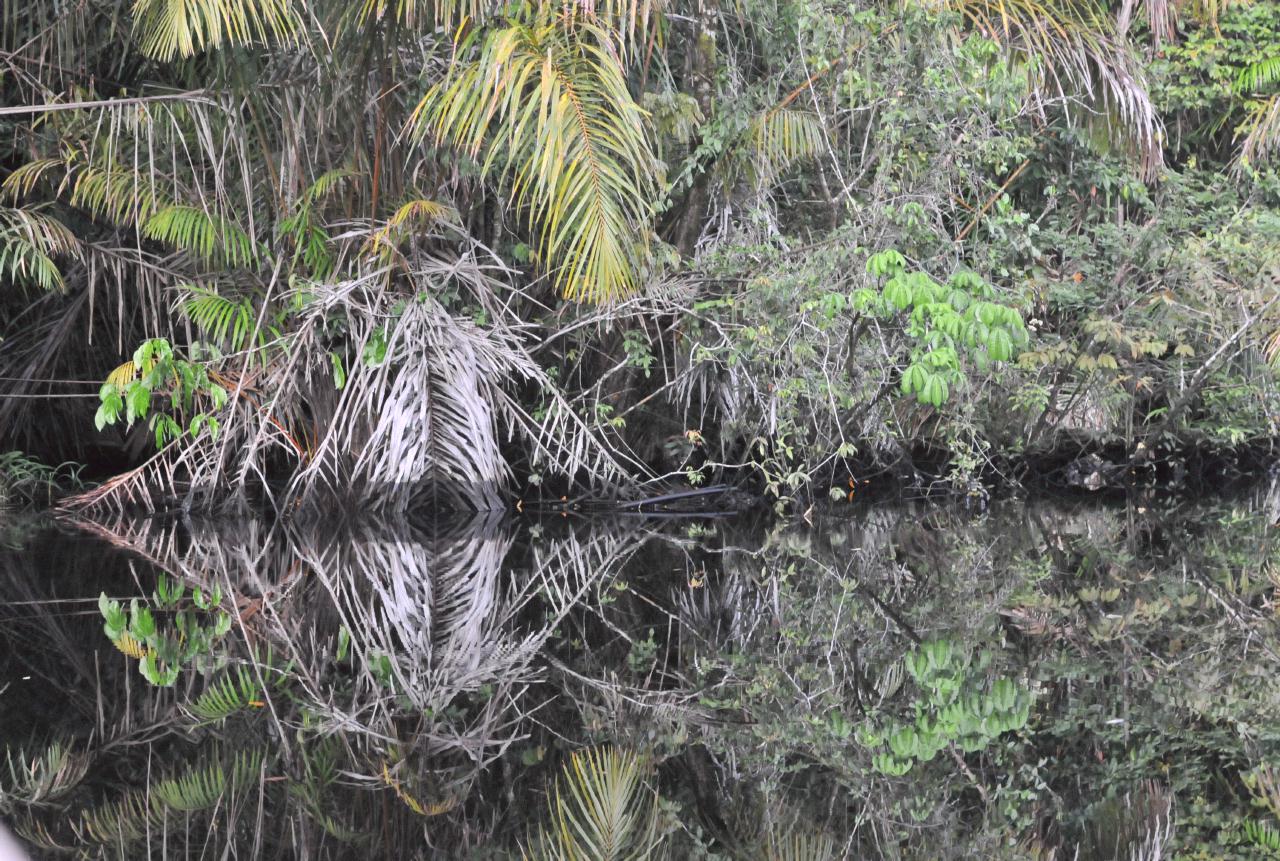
406,253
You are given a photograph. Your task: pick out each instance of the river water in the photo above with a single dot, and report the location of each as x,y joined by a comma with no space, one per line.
1049,679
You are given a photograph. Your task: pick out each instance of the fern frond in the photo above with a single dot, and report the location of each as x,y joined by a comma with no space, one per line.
546,106
233,692
28,243
181,28
210,237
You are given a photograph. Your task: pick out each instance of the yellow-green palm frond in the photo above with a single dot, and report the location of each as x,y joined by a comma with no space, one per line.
115,194
29,242
181,28
1075,49
211,238
23,180
547,107
419,212
601,810
781,137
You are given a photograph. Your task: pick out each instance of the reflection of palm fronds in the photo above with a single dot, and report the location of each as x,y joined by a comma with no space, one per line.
40,778
600,810
232,692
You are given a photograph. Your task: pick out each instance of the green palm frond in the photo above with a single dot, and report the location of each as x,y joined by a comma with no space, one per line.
133,815
29,242
326,184
234,691
40,778
547,107
204,786
601,810
1076,49
781,137
213,239
1260,76
181,28
124,820
113,193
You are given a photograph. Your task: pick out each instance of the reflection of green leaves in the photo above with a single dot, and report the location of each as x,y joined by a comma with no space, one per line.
40,778
957,707
160,656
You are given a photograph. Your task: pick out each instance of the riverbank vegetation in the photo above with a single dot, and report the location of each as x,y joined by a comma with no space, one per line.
398,254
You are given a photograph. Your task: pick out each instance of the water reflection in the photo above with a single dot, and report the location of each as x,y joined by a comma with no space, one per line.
1047,680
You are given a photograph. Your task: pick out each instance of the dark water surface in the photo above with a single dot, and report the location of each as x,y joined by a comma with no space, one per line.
1050,679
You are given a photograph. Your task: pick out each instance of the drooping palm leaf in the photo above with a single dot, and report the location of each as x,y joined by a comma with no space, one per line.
29,242
546,107
1263,136
782,137
1077,52
181,28
211,238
